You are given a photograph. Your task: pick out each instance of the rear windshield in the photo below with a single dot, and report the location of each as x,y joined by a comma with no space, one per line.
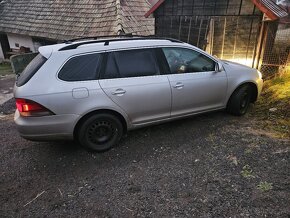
30,70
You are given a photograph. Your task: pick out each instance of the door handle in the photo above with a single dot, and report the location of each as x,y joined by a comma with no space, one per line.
178,85
119,92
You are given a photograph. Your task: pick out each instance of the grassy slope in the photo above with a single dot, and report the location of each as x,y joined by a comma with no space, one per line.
5,68
273,108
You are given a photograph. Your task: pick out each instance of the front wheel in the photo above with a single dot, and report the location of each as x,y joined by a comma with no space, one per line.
240,101
100,132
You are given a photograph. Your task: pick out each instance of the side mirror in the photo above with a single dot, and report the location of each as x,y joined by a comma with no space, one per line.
219,67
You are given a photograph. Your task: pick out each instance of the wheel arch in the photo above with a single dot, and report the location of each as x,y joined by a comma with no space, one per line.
99,111
254,89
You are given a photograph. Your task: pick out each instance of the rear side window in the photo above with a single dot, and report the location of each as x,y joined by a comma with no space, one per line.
30,70
81,68
131,63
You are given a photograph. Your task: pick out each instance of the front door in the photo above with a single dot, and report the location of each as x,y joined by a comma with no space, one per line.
196,85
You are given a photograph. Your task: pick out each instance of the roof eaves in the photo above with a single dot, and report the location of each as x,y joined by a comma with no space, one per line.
271,9
154,8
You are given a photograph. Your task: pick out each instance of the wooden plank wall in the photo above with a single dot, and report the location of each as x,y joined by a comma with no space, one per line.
207,8
234,25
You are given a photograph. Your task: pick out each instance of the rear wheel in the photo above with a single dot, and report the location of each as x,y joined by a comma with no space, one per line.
240,100
100,132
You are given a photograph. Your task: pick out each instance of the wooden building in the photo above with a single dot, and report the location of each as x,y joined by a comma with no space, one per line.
32,23
230,29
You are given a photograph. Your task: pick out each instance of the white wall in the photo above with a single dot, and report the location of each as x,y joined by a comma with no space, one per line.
22,40
1,53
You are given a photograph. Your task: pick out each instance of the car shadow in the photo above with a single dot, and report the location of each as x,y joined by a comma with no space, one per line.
136,146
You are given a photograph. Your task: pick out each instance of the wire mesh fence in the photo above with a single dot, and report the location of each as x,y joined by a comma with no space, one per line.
276,57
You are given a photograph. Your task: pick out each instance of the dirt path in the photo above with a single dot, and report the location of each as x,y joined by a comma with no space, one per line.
213,165
6,88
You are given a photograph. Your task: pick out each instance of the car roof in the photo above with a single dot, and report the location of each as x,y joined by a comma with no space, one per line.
109,44
105,44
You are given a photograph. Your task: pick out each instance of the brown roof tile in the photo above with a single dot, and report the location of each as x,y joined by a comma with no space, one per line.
64,19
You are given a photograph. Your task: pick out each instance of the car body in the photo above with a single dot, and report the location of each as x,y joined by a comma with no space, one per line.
131,82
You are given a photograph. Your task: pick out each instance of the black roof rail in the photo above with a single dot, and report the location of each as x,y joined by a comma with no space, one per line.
100,39
68,41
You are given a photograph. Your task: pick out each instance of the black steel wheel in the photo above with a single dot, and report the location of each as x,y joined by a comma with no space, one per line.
240,101
100,132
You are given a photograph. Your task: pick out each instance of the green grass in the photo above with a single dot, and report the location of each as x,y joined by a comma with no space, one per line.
248,151
5,68
265,186
279,87
275,94
247,172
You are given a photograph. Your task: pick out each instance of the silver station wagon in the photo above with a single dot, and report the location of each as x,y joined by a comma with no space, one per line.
94,90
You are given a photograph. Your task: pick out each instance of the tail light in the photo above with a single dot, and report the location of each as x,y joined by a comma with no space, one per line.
28,108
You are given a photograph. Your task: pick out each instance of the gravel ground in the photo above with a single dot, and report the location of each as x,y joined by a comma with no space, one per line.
8,107
214,165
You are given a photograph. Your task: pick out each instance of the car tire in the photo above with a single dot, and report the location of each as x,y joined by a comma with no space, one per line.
240,100
100,132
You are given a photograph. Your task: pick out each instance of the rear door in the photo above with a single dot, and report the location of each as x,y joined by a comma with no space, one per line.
133,80
196,85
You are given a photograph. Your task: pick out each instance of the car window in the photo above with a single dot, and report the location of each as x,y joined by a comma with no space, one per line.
30,70
80,68
111,68
131,63
181,60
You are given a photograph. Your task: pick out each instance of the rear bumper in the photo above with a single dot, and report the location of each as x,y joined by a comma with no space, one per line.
56,127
